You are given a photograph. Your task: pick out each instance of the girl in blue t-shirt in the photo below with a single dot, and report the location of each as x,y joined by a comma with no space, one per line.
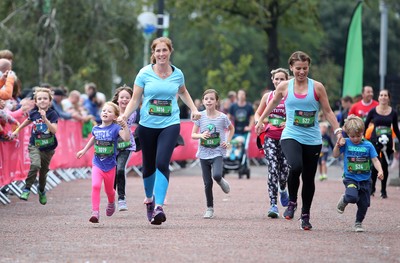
105,140
210,129
42,143
358,155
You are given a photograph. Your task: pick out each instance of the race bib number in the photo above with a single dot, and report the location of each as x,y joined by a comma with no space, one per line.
44,140
123,145
357,165
383,130
160,107
276,121
304,119
212,142
103,148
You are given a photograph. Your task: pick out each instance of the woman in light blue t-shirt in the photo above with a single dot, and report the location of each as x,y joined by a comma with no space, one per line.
159,83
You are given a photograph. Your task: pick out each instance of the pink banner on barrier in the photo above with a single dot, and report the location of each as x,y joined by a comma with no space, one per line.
15,162
253,151
14,156
70,141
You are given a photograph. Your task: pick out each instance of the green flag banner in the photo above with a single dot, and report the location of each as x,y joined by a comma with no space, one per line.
354,64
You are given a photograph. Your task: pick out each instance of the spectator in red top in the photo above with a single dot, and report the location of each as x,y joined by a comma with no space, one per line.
367,103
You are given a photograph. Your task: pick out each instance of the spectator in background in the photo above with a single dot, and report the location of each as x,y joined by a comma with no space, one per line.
362,107
225,105
58,96
327,145
7,78
346,103
241,114
73,105
232,96
7,54
91,103
5,135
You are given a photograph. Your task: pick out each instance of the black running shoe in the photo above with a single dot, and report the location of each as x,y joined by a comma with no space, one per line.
289,212
305,222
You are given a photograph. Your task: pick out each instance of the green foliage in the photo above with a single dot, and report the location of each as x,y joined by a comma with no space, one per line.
222,44
329,74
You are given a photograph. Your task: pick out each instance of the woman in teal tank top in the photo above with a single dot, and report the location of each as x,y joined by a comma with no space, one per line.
301,138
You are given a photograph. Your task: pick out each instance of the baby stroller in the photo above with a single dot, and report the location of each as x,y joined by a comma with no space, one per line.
236,158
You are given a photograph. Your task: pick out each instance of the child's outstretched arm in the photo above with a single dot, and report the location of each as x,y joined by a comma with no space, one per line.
20,127
89,144
336,149
378,167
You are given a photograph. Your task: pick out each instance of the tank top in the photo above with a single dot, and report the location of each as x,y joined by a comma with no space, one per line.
302,116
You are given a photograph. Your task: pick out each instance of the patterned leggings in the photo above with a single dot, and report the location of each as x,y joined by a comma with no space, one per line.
278,169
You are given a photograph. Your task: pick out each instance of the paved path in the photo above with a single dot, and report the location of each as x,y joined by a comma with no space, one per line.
240,231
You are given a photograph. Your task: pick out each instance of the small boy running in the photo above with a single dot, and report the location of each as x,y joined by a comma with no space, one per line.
358,154
42,143
211,130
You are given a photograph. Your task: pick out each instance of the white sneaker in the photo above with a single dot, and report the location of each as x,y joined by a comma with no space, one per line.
358,227
224,186
209,213
122,205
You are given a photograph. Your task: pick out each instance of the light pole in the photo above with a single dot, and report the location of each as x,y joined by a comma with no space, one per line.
148,23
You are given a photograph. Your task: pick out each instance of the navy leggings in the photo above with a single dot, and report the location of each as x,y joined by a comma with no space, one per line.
302,160
358,193
157,148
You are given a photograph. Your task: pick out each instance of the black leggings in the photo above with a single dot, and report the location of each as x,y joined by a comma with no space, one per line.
157,148
120,177
374,174
302,159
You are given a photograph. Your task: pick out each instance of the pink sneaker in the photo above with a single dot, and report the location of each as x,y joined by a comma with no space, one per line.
110,209
95,217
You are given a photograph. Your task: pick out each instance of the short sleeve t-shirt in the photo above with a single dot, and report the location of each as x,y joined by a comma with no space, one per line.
41,137
210,148
241,116
357,159
105,146
160,107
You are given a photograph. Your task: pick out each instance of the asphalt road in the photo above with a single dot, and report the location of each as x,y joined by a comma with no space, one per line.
240,232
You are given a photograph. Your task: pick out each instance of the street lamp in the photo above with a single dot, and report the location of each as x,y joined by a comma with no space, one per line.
148,23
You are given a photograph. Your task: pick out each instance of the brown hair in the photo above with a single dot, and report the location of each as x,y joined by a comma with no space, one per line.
299,56
7,54
157,41
117,91
209,91
283,70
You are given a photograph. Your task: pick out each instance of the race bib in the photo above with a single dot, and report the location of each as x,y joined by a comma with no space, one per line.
357,165
123,145
103,148
212,142
304,119
276,121
383,130
44,140
160,107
